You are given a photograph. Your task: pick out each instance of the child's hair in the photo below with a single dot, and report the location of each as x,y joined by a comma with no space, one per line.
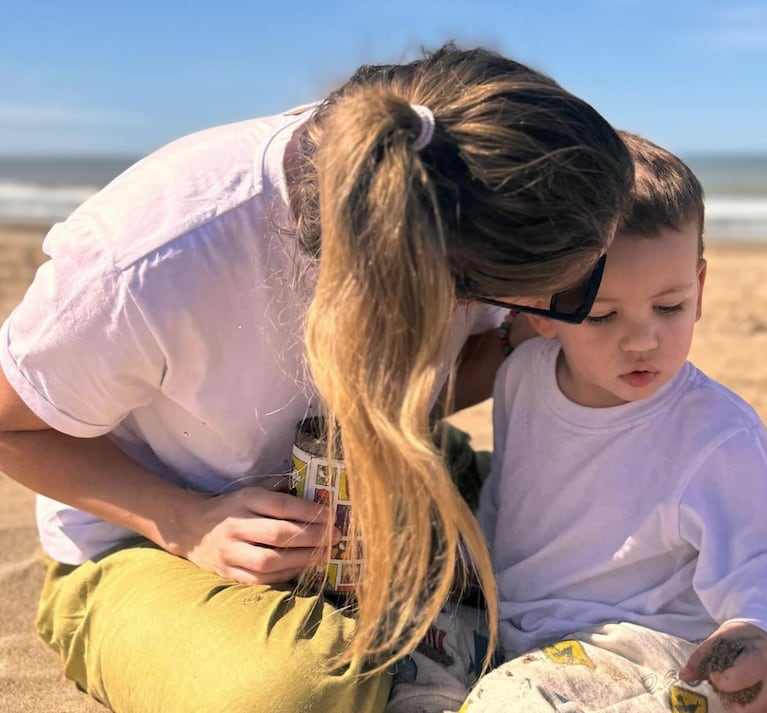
517,193
666,192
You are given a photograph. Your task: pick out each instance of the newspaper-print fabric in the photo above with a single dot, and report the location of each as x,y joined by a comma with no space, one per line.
621,668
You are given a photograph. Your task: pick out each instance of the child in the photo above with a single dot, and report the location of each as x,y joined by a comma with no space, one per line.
626,500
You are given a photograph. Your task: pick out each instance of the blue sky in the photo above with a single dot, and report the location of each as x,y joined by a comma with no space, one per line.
96,76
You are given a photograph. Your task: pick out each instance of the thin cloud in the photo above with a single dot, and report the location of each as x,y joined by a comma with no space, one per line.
41,114
742,27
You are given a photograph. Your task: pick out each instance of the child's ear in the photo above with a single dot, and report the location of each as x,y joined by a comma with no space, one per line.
545,327
701,282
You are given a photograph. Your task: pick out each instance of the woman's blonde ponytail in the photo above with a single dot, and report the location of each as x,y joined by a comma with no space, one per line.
384,303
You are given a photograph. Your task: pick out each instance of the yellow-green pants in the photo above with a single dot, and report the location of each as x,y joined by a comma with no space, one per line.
143,631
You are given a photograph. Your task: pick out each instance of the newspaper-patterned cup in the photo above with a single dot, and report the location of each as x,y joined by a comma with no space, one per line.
317,478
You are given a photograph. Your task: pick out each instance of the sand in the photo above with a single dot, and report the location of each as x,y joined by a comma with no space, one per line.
730,344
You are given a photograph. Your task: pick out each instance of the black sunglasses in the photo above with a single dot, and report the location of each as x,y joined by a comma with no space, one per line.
571,306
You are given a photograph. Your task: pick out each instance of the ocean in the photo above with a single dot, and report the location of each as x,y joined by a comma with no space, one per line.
43,190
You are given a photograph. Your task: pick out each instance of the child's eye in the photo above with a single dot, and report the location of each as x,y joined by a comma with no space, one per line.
600,319
670,309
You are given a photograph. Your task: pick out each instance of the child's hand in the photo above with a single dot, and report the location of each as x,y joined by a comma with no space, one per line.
734,660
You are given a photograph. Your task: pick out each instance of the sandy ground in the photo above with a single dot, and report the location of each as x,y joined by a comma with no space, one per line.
730,345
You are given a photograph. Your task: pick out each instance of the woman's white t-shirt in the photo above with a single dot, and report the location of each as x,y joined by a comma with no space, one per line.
170,316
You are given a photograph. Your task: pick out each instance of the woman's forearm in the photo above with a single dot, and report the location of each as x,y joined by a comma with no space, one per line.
93,475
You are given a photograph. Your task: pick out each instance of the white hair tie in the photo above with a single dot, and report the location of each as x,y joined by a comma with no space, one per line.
427,126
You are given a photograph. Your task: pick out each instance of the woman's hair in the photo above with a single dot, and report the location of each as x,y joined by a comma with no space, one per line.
666,193
517,194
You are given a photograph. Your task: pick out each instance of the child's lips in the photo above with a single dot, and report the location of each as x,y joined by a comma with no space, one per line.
639,377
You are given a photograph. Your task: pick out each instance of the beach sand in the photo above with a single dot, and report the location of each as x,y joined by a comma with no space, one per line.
730,345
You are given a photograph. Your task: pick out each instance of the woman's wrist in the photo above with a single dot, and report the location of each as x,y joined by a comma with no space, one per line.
175,535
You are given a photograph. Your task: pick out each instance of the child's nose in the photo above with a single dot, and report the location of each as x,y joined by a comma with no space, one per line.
640,336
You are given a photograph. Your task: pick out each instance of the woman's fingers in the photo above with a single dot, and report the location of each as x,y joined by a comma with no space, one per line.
244,576
259,564
256,535
283,506
284,534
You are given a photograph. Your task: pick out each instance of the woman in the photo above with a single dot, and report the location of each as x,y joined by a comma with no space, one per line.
330,260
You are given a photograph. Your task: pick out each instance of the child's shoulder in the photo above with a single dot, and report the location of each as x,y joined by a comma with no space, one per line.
714,402
535,350
529,363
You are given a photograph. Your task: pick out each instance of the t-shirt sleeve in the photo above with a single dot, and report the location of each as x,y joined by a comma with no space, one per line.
722,516
77,349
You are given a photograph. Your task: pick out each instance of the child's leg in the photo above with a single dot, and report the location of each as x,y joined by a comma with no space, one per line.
146,632
616,667
438,675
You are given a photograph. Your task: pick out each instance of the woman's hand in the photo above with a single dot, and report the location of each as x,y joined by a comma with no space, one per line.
254,535
734,660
